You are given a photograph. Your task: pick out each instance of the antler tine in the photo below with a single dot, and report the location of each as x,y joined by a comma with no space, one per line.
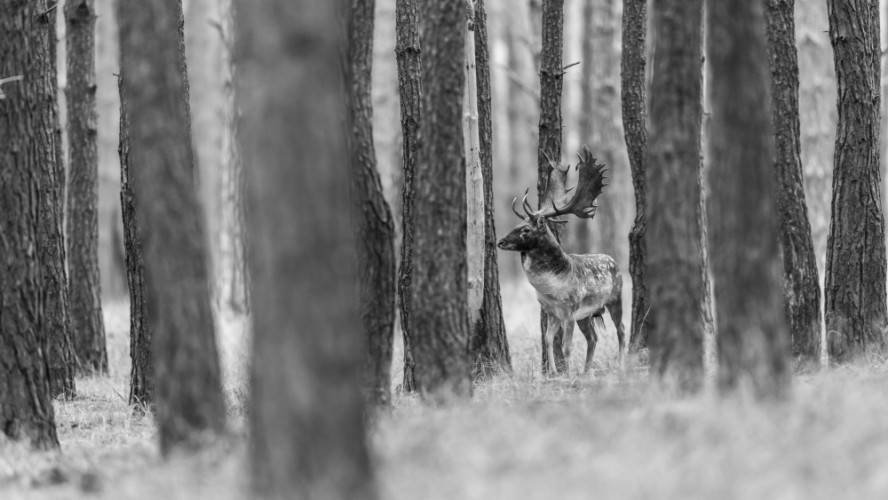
527,208
514,200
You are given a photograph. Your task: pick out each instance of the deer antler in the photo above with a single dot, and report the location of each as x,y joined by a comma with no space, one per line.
589,186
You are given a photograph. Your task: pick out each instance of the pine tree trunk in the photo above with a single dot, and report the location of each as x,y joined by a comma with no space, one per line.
307,434
634,107
189,398
83,219
407,50
801,282
753,342
675,266
855,259
489,344
586,122
27,150
375,228
475,223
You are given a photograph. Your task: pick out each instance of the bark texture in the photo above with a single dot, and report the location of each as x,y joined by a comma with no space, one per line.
675,271
855,308
634,107
439,315
307,432
489,344
374,225
475,256
753,341
800,278
26,148
407,50
85,286
189,401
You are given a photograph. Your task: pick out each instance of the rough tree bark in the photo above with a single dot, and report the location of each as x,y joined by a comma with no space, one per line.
475,222
26,147
675,272
753,342
551,84
801,282
407,50
439,316
489,345
634,107
84,282
307,432
189,401
375,230
855,294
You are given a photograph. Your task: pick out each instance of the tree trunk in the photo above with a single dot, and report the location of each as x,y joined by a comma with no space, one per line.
675,270
551,83
855,259
489,344
141,354
83,219
27,150
801,282
189,398
633,97
307,432
586,122
753,341
407,50
475,223
375,228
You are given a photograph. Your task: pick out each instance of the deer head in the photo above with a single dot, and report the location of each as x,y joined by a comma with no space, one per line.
534,231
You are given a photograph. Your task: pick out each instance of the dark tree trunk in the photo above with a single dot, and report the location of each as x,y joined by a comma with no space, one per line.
407,50
753,341
141,355
189,398
801,283
26,149
306,424
438,309
855,258
633,99
489,345
375,228
84,283
551,83
675,272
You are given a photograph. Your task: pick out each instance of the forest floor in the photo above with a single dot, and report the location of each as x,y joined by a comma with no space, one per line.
605,435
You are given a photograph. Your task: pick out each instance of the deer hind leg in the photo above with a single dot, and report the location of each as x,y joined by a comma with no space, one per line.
568,328
551,329
587,326
615,309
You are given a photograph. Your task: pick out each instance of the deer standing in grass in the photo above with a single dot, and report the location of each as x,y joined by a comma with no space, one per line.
570,288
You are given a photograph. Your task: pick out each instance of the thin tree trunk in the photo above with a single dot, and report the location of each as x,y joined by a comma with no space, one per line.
375,228
855,292
633,98
475,222
677,290
407,50
27,150
83,219
753,342
583,235
489,344
189,398
801,282
307,433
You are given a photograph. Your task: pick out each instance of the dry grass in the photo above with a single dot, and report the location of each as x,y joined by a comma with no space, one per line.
606,435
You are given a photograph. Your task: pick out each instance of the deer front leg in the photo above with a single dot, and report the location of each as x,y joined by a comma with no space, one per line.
551,330
568,328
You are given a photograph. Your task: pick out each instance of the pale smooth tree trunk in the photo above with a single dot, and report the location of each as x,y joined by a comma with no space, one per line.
474,180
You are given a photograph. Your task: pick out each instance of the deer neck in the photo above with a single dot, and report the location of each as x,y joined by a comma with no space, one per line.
547,258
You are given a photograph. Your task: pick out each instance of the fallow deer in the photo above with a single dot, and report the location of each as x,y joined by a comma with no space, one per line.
570,288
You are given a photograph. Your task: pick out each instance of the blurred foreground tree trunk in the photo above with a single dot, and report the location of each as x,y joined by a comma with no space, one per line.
675,272
407,51
634,107
189,401
489,345
753,341
855,293
439,315
307,433
27,147
375,230
801,282
84,279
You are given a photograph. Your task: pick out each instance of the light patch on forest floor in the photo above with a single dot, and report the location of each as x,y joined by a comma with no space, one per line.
607,435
